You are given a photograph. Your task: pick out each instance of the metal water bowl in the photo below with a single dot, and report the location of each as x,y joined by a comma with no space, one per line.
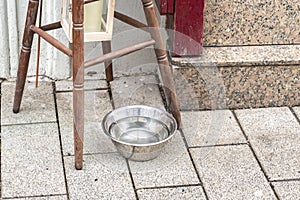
139,132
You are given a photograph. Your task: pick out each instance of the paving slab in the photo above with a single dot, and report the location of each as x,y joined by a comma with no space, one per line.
178,193
297,111
104,176
31,163
37,104
228,172
59,197
97,104
274,136
32,79
287,189
172,167
67,85
211,128
136,90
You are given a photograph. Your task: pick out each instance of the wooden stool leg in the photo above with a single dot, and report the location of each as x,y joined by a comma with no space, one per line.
161,55
25,53
106,46
78,80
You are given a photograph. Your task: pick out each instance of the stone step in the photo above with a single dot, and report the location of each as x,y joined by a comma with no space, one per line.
239,77
245,22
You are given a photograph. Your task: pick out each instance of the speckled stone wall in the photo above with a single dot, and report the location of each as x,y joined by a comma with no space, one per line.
238,87
239,77
251,22
251,57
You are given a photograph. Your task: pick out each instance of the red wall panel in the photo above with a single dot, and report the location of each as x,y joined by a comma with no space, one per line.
188,27
165,6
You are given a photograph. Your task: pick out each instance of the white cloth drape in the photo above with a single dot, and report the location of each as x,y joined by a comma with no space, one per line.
52,62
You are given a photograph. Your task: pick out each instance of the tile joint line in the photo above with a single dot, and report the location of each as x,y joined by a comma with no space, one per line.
253,152
60,139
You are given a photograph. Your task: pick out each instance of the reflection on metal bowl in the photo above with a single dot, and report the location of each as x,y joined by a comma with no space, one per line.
139,132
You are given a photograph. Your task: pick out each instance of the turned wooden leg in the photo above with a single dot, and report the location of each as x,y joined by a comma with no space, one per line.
25,53
78,80
106,46
162,59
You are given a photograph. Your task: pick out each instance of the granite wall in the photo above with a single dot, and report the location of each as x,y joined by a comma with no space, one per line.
238,87
251,22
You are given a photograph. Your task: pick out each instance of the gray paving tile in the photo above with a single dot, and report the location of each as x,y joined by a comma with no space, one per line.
104,176
229,172
32,79
178,193
37,104
136,90
31,163
274,135
59,197
97,104
288,189
172,167
211,128
88,85
297,111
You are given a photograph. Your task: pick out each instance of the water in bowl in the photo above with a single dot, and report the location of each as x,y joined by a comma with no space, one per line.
139,130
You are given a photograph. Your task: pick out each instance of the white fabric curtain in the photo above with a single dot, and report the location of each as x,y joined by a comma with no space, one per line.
52,62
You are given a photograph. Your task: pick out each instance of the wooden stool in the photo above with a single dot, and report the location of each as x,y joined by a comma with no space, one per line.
77,55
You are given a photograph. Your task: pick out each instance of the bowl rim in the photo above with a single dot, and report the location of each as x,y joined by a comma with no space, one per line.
139,106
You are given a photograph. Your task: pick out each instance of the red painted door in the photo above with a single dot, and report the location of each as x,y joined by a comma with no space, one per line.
185,18
165,6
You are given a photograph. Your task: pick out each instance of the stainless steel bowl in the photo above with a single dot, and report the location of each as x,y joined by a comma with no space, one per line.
139,132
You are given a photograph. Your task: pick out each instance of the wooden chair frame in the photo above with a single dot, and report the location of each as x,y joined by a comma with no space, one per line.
78,63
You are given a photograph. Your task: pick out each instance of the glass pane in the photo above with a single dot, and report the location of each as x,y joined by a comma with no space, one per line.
95,16
69,12
67,8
